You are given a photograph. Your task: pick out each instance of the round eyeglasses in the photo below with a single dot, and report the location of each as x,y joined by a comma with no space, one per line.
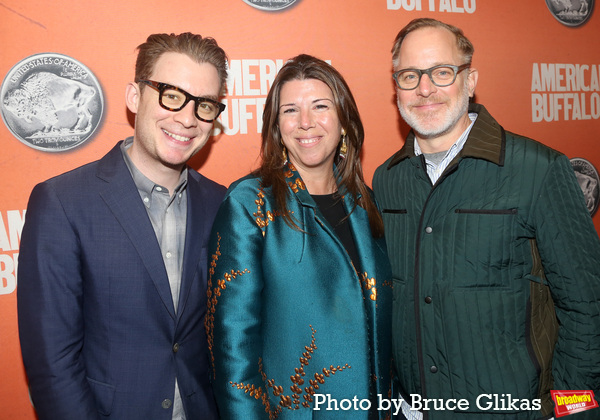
442,75
174,99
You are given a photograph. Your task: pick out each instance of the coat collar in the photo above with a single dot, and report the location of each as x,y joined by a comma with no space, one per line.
358,220
486,140
297,186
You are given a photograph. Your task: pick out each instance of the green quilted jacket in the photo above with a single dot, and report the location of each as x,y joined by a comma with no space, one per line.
496,273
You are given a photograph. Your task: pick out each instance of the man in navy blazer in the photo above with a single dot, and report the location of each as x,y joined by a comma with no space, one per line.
112,265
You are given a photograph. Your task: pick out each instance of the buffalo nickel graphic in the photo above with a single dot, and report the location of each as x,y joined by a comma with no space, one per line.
571,12
270,4
51,102
588,180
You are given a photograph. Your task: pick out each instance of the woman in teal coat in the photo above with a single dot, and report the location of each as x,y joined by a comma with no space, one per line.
299,295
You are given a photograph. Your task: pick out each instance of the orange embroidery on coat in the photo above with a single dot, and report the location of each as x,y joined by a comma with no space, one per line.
293,401
263,220
370,285
213,293
296,185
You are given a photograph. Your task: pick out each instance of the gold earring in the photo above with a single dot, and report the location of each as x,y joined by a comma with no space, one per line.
284,154
343,147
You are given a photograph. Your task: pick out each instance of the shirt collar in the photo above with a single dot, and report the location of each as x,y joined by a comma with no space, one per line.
458,144
144,185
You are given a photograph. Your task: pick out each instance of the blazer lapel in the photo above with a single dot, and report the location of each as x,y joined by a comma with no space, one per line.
123,199
194,238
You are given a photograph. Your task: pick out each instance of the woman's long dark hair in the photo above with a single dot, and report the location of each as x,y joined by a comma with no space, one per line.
349,170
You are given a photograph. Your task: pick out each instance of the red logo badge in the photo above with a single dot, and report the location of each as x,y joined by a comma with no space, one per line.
571,402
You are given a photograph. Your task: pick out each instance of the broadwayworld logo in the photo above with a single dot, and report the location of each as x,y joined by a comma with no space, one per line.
571,402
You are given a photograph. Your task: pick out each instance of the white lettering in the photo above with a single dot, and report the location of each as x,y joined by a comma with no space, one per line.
364,407
8,273
320,399
548,77
484,407
448,6
573,81
415,402
536,84
456,9
234,78
381,402
344,404
237,115
249,77
384,404
268,71
595,105
559,78
564,106
595,82
445,6
394,4
437,404
9,238
408,5
470,6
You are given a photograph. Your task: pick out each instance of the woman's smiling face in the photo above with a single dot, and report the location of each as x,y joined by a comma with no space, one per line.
309,124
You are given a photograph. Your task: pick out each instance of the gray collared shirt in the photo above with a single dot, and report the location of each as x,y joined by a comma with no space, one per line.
168,214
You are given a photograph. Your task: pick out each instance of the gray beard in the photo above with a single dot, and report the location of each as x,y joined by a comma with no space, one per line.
451,118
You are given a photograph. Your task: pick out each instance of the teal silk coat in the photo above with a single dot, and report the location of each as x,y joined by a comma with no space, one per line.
288,315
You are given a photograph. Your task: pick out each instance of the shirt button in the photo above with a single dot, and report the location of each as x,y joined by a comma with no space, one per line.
146,199
428,299
167,403
158,189
428,229
175,347
168,254
433,369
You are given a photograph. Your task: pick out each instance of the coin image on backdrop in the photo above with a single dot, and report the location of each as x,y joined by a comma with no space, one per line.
587,177
571,12
51,102
270,5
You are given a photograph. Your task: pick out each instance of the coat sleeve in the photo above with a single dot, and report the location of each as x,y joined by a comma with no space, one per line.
234,312
49,302
570,251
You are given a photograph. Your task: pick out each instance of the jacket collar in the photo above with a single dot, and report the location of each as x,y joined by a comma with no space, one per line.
486,140
121,195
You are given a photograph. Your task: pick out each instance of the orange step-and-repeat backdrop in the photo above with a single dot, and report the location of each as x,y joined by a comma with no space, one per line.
538,62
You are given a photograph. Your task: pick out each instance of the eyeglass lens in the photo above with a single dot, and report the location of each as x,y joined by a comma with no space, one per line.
440,76
175,100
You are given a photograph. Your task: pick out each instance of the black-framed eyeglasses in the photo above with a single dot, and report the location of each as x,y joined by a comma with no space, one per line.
174,99
442,75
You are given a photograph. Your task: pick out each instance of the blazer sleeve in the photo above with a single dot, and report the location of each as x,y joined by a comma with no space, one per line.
570,251
49,302
234,312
